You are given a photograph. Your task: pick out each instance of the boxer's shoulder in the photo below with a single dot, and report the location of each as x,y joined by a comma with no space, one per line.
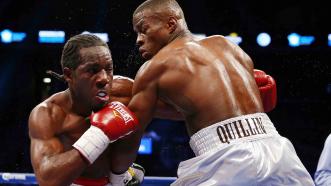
119,78
47,114
151,68
170,57
218,40
216,37
50,107
121,86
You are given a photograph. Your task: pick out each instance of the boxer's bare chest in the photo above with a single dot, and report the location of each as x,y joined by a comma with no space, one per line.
73,128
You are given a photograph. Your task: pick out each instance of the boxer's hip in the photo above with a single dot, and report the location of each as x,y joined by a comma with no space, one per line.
232,131
245,150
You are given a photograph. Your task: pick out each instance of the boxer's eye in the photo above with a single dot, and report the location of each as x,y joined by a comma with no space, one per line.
144,29
93,70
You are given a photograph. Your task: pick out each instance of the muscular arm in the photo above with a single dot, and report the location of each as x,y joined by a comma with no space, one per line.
122,91
143,104
52,166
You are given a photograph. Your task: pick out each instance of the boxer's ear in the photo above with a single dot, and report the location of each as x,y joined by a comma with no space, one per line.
67,74
172,24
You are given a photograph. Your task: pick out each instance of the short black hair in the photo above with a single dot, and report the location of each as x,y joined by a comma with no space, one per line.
70,54
171,6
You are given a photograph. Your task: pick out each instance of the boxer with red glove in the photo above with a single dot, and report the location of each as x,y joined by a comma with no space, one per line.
112,122
268,89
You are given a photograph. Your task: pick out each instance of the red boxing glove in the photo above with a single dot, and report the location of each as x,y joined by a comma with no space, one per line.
268,89
107,125
115,120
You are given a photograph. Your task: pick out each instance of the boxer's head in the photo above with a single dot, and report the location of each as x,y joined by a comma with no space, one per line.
157,22
88,69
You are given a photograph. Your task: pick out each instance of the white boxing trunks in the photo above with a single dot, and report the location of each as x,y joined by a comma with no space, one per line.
245,150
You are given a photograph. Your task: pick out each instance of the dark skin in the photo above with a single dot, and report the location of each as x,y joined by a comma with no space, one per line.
59,121
207,81
56,123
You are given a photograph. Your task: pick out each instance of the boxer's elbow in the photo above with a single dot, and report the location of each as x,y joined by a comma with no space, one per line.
49,175
44,179
50,182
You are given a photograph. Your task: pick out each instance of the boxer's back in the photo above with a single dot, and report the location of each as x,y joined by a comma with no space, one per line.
208,80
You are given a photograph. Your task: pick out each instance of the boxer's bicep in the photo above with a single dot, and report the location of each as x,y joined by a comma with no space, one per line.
41,150
121,89
144,101
44,143
51,163
144,92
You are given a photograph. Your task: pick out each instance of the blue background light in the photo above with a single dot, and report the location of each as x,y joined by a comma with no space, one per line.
263,39
145,146
51,37
6,36
293,39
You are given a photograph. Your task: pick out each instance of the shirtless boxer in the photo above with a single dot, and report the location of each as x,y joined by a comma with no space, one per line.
65,148
211,82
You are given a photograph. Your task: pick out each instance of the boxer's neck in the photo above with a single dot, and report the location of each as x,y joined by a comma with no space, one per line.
180,34
76,106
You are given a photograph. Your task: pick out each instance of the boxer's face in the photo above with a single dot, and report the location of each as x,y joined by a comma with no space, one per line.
152,33
92,79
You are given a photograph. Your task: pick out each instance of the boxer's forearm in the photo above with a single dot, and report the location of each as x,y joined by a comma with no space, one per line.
124,152
60,169
163,111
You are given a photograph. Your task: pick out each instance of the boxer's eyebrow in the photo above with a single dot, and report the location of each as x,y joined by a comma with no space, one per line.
138,25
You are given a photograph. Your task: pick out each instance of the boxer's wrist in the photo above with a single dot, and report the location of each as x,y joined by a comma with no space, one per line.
92,143
134,176
120,179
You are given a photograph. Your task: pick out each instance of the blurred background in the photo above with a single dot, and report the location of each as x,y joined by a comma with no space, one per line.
294,48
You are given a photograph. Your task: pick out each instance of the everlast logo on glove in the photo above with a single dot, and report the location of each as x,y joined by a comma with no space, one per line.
124,114
240,129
